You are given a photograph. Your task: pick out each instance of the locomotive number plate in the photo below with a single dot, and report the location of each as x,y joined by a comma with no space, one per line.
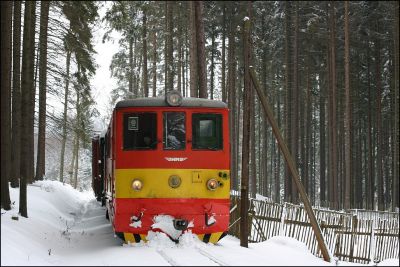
133,123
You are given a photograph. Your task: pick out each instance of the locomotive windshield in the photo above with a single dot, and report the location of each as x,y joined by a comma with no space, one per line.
207,131
174,137
140,131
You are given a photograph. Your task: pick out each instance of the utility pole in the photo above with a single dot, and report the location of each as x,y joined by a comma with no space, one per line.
247,95
292,167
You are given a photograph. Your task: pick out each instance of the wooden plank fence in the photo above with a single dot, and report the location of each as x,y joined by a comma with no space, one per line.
356,236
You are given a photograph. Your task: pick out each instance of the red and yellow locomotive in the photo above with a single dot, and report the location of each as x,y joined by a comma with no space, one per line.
165,157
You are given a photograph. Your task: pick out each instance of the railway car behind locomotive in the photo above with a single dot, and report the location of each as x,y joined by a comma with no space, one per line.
165,160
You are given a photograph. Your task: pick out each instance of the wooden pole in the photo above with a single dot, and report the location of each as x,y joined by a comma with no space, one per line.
247,95
292,167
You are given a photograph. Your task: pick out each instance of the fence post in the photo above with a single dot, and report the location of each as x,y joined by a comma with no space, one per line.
282,219
354,223
250,215
372,245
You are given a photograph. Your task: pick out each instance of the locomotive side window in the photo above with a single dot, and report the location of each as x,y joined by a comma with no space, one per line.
174,137
140,131
207,131
107,144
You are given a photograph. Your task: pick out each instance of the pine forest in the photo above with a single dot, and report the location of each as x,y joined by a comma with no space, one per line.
329,69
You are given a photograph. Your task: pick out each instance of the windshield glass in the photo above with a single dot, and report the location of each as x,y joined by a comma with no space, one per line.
174,130
140,131
207,131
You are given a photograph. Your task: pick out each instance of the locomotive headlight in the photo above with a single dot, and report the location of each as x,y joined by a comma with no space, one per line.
174,181
174,98
137,185
212,184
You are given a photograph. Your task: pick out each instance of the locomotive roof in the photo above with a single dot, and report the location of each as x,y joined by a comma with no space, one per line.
160,102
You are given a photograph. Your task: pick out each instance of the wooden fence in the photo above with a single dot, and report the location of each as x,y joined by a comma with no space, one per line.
355,236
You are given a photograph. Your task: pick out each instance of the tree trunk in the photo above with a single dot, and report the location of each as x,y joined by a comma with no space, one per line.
395,200
359,183
231,88
278,160
193,53
145,79
252,136
16,98
259,154
31,119
212,66
295,101
253,172
184,41
64,130
223,87
40,161
183,65
333,135
187,50
264,70
131,70
6,17
347,122
166,50
239,111
370,184
288,106
201,53
386,161
169,48
135,89
36,67
28,57
179,48
137,85
154,63
76,163
307,129
74,155
357,190
322,154
381,204
76,143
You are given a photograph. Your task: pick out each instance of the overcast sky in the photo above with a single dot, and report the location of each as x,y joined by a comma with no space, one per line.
102,83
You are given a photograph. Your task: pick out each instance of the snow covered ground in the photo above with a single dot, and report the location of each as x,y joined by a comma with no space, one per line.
68,227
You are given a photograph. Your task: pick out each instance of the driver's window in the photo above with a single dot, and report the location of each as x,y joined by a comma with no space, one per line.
174,137
207,131
140,131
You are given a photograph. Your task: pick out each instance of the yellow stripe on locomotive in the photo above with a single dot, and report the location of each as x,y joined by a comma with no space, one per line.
172,183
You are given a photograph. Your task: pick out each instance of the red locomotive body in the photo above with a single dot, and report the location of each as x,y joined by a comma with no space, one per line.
167,160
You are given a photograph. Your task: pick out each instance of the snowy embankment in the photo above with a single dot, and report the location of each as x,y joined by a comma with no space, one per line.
67,227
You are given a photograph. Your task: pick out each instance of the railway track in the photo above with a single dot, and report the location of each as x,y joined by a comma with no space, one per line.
211,257
190,256
168,258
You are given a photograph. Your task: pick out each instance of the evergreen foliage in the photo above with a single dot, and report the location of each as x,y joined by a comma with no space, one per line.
298,52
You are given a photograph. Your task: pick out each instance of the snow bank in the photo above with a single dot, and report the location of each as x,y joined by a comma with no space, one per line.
263,198
389,262
67,227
